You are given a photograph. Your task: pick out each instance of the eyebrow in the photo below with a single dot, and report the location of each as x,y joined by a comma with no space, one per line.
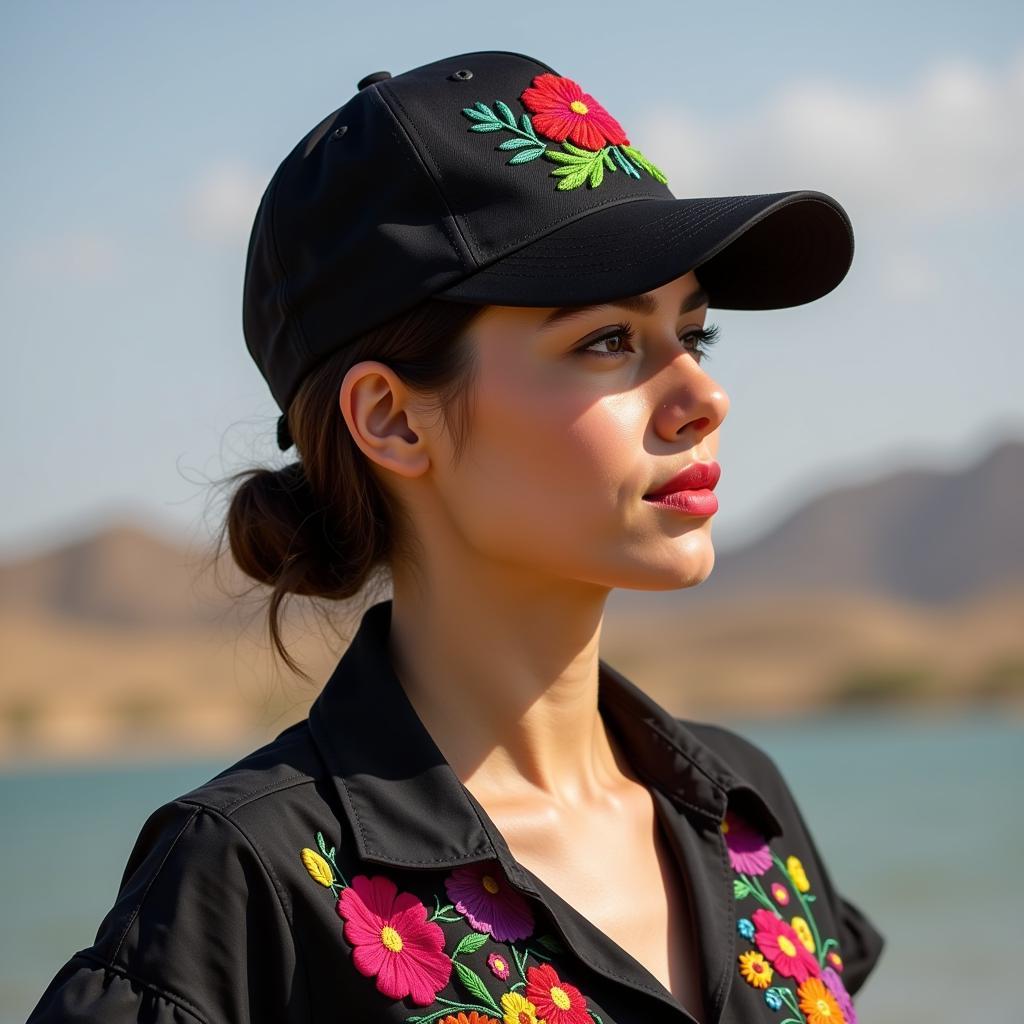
645,303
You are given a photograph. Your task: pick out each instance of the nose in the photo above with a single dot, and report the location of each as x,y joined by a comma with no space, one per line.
689,400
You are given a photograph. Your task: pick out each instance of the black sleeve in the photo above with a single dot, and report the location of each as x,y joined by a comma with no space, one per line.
198,933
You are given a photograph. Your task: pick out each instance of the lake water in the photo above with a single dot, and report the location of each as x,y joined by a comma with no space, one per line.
921,822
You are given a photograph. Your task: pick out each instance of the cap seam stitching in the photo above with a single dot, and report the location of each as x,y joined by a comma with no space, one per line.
286,305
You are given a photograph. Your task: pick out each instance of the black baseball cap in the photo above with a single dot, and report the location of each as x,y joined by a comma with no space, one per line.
489,178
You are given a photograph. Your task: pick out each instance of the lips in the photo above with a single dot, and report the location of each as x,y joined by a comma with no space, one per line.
697,476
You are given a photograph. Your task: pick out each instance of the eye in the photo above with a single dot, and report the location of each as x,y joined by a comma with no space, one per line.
619,342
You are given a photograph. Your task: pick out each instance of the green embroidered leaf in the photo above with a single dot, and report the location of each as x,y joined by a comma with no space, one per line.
589,153
484,109
526,155
608,160
475,984
646,164
506,114
573,178
596,173
476,115
567,158
740,890
320,842
490,126
470,943
516,143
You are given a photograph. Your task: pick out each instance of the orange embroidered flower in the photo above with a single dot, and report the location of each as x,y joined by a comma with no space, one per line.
473,1018
818,1004
755,969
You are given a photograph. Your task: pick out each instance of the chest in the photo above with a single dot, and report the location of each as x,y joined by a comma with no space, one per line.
620,874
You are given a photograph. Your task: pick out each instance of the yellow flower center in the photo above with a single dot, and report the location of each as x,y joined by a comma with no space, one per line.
579,107
823,1008
391,939
725,827
490,884
560,999
499,963
786,946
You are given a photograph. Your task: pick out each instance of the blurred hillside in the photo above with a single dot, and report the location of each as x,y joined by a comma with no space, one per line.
908,590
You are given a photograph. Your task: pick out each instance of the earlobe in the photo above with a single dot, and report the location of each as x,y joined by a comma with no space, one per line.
376,407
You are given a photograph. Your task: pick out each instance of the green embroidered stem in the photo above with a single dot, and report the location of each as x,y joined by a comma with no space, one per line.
594,1015
789,999
440,912
475,984
329,855
757,891
805,904
624,163
530,147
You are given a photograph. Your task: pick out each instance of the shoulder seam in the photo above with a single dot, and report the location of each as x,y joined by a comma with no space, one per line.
170,997
149,885
288,782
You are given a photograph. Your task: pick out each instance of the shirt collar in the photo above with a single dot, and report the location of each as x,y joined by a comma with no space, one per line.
407,807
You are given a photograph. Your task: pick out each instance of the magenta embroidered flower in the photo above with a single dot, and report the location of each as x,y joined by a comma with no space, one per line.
748,852
781,944
835,985
780,893
562,110
393,939
499,966
483,893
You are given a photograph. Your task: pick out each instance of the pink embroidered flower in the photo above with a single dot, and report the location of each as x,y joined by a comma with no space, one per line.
781,944
556,1001
499,966
834,959
393,939
561,110
835,985
780,893
748,852
483,893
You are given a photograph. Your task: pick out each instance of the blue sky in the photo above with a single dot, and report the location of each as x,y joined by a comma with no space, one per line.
139,137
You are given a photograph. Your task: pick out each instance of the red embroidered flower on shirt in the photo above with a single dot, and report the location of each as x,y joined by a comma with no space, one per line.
556,1001
393,939
562,110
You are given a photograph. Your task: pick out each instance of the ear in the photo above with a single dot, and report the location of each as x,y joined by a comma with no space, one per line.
377,407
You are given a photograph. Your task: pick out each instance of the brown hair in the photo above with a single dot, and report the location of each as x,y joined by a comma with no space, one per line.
324,526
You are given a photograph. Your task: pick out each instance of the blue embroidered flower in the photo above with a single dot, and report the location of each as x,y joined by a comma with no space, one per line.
746,928
773,999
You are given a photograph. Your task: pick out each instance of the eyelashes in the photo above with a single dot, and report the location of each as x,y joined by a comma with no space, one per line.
704,338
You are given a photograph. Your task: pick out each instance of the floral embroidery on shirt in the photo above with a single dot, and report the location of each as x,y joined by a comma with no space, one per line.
399,943
564,113
790,949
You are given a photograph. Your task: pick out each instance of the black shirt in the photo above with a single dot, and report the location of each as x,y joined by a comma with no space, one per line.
344,873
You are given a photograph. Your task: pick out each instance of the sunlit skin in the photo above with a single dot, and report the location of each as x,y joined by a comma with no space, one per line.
496,627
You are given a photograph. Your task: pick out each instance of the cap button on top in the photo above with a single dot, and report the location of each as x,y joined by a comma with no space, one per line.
375,76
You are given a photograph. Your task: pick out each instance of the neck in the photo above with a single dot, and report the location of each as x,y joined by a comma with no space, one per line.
503,672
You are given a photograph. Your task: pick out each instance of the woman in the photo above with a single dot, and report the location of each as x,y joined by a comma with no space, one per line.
482,313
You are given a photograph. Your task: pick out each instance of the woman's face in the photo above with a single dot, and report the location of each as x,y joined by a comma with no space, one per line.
572,423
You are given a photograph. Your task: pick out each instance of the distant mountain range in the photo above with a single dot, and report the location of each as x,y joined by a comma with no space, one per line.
918,535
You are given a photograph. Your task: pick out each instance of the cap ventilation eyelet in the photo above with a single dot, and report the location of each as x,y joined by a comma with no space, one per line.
461,76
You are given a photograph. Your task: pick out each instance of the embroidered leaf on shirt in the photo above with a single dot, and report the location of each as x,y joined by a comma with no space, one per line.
475,984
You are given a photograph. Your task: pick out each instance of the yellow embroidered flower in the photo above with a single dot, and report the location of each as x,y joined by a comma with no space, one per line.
318,868
818,1004
518,1009
802,929
797,873
755,969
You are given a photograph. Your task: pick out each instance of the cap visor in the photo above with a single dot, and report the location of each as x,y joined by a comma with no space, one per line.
750,252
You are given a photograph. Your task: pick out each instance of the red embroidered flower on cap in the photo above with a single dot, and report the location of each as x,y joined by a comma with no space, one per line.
562,110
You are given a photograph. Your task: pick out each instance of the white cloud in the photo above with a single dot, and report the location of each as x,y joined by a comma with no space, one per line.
949,144
221,205
80,255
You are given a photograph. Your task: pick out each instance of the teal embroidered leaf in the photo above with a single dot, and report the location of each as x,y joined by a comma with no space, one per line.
624,163
476,115
526,155
516,143
470,943
490,126
740,890
483,108
506,114
528,126
475,984
320,842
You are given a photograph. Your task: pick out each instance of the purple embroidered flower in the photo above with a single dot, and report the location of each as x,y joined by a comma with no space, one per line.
483,893
773,999
748,852
835,985
746,928
499,966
